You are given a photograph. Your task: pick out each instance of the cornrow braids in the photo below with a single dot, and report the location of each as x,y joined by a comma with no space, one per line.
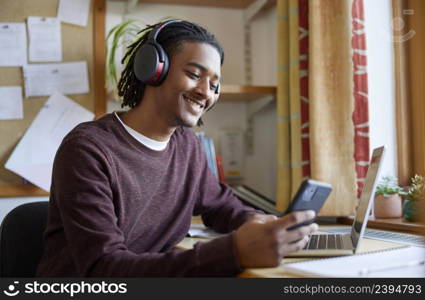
171,38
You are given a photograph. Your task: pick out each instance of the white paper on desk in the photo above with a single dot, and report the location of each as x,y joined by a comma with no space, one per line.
66,78
11,107
200,231
33,156
13,45
44,39
74,11
356,265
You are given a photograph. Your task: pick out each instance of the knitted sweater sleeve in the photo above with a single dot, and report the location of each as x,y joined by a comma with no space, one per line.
82,195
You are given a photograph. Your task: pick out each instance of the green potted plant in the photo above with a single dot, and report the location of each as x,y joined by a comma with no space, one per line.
415,196
117,41
387,203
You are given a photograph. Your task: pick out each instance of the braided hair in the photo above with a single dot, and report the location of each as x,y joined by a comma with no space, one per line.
171,37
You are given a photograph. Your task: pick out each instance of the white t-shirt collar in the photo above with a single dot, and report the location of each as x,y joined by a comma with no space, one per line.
148,142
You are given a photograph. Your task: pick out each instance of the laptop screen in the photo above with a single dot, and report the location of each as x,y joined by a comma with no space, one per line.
368,192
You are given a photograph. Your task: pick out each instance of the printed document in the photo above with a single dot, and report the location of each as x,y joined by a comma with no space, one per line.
33,156
66,78
44,39
399,262
11,103
13,45
74,11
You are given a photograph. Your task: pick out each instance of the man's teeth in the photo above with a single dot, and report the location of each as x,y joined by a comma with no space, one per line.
192,101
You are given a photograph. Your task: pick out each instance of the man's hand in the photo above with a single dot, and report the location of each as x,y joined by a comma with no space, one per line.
264,240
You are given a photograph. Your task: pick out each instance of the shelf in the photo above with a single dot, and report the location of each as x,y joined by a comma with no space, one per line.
244,93
211,3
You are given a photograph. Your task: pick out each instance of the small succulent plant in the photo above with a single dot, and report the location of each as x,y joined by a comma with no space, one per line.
388,186
417,188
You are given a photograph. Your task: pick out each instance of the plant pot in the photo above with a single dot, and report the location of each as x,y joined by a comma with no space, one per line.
410,210
388,207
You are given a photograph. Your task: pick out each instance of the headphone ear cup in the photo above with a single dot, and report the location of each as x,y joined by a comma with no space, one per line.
165,66
217,89
146,63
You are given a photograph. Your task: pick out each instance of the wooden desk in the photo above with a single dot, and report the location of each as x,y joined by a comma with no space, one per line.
367,245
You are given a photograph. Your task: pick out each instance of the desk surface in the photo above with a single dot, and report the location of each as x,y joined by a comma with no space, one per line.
367,245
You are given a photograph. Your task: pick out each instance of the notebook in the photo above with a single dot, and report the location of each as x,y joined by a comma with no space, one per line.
400,262
326,244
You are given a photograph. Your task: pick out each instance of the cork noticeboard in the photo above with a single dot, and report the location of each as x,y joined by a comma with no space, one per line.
78,43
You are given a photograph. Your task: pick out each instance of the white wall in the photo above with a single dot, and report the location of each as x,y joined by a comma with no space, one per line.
378,17
7,204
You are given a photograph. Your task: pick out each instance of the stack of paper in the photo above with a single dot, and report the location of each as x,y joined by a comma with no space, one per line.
400,262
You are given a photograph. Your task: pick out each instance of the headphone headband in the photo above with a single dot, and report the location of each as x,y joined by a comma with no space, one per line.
155,31
151,62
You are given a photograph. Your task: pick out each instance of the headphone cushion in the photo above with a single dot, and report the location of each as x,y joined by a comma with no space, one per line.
147,65
160,78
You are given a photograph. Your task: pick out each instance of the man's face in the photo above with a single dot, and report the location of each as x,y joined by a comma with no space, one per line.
189,88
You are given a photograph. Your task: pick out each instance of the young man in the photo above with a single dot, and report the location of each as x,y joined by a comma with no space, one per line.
125,186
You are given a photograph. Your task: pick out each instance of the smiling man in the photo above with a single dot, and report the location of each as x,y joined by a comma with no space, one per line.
126,186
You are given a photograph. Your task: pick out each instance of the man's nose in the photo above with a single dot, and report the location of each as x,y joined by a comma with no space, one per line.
203,89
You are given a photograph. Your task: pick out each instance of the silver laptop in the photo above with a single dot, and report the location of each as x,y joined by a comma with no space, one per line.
348,244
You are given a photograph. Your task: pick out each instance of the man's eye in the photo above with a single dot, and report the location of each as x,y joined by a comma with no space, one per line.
193,75
213,87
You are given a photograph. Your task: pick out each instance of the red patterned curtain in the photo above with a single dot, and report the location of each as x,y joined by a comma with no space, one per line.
361,110
305,132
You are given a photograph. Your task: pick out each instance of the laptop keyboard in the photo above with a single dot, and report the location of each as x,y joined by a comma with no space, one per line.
324,241
395,237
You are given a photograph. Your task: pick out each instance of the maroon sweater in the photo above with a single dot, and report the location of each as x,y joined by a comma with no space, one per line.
118,208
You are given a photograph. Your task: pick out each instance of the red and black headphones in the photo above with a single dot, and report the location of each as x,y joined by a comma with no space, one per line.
151,62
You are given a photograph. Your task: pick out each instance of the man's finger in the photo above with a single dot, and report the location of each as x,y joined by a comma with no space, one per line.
293,218
262,218
297,246
299,233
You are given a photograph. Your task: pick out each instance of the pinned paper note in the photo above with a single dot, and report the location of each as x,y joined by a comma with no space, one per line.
11,103
74,11
66,78
13,45
44,39
33,156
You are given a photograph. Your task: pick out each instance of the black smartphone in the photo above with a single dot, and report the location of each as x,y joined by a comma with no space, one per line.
311,195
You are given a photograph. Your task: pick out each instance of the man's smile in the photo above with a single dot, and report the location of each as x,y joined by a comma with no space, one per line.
198,105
